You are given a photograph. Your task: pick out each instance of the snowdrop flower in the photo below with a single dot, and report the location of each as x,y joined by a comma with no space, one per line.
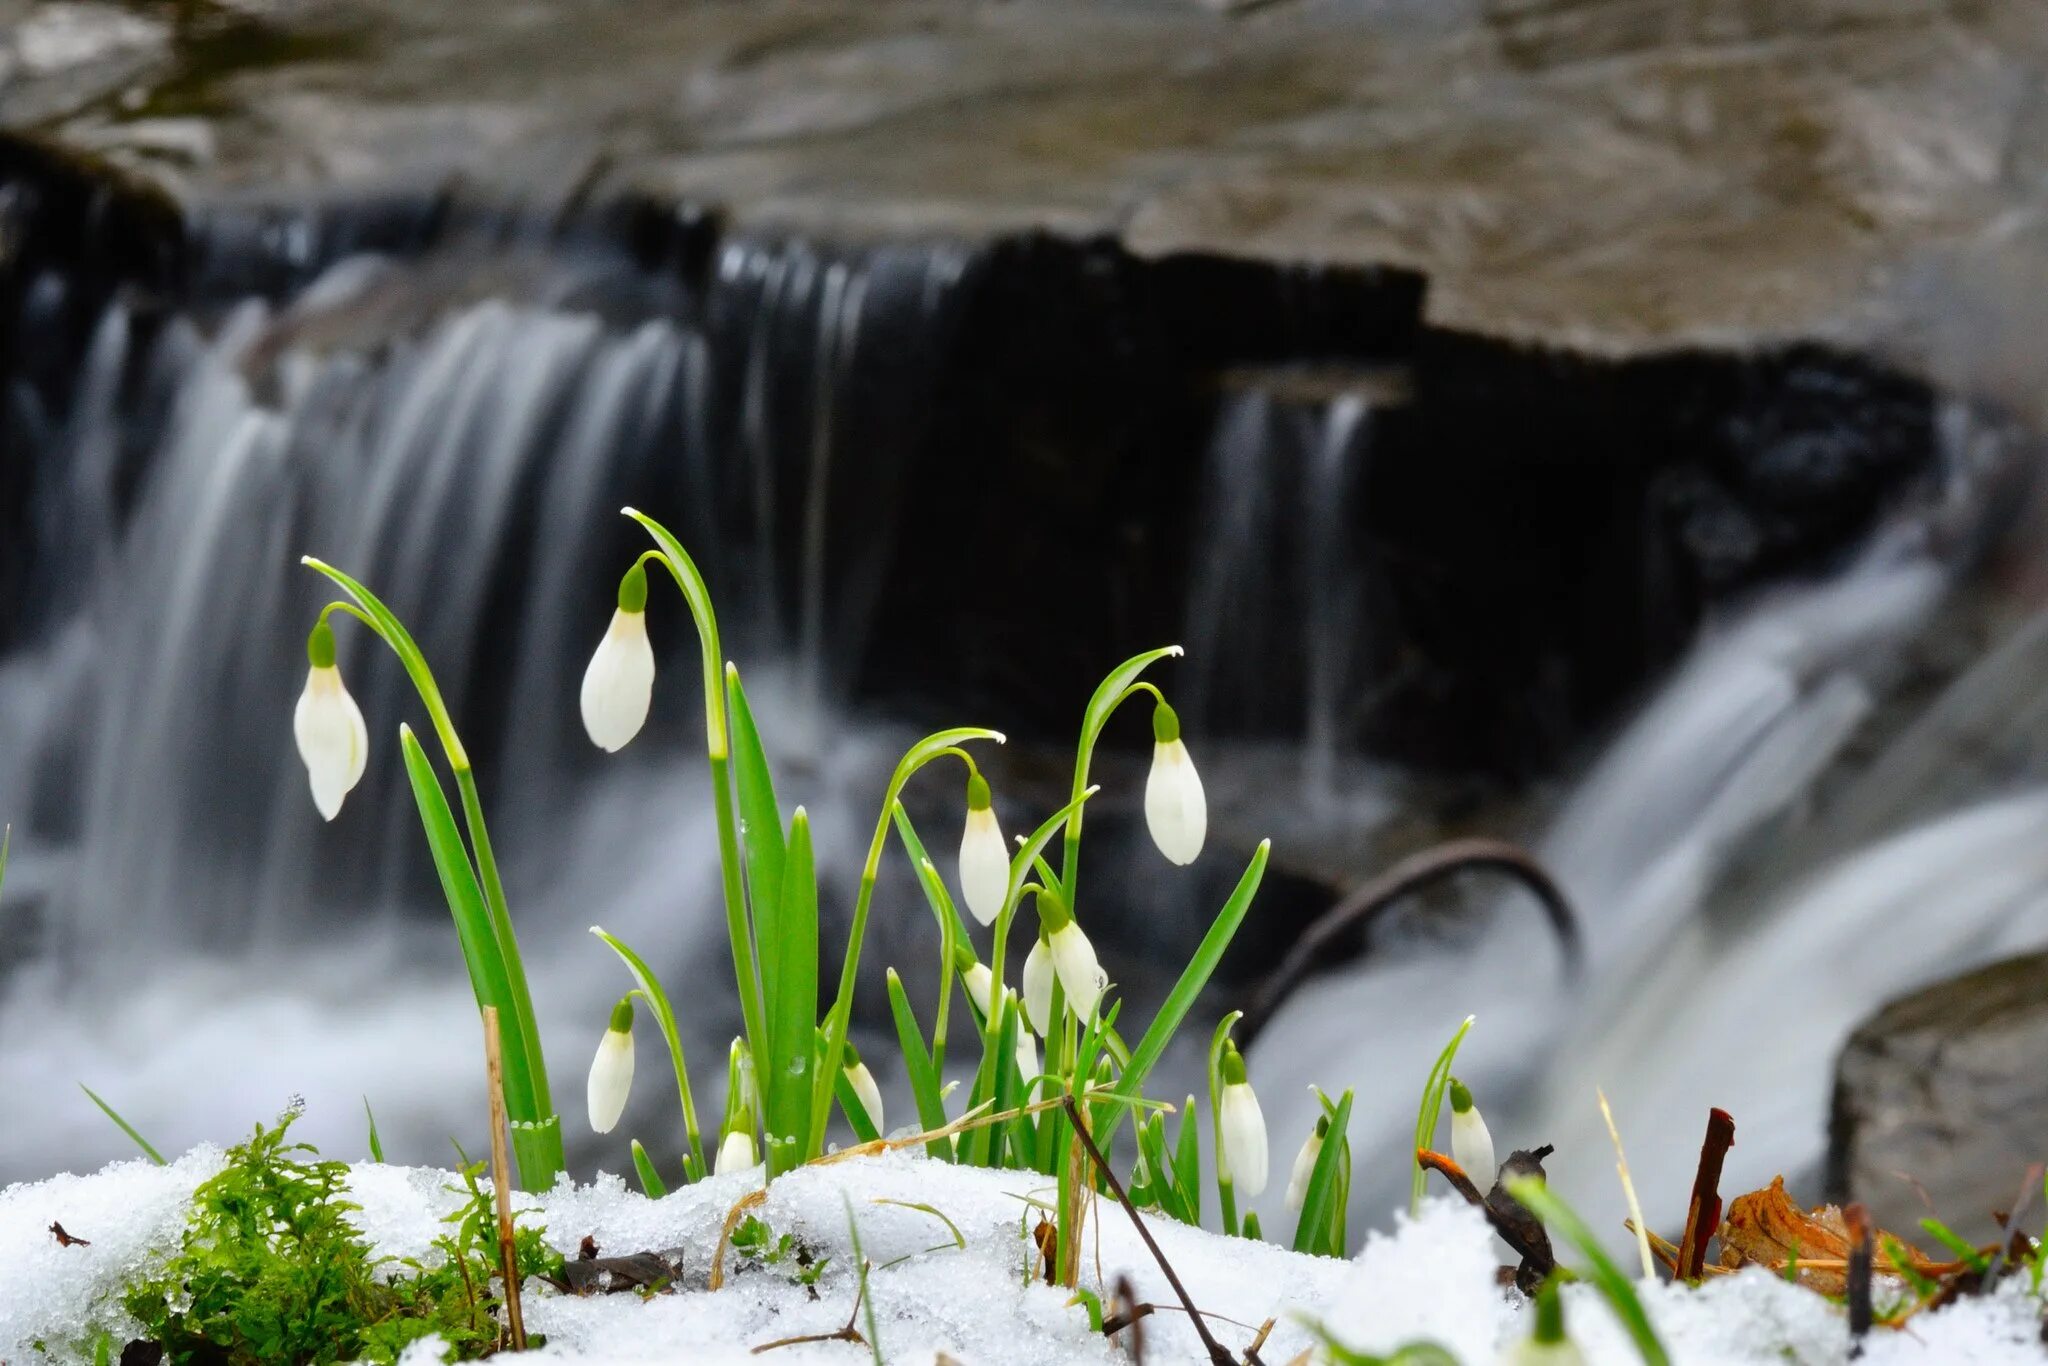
619,683
1027,1055
1471,1144
1243,1149
1073,959
976,980
1305,1163
736,1153
333,741
1176,812
1038,974
984,858
863,1083
611,1072
1548,1345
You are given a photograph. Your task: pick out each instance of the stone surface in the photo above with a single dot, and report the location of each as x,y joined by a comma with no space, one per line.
1945,1089
1617,172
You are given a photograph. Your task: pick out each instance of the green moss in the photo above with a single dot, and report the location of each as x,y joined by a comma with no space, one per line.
269,1270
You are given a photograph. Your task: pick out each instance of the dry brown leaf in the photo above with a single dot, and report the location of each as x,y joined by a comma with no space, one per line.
1767,1228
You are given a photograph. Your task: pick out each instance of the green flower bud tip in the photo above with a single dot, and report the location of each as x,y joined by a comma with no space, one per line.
1053,915
963,957
633,590
850,1056
1461,1099
1165,723
1549,1314
742,1121
320,646
1322,1126
1232,1065
622,1015
978,798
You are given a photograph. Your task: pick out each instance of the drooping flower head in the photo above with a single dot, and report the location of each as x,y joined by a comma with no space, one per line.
984,859
976,980
1305,1163
1073,958
1176,812
736,1151
328,725
1243,1158
1471,1144
611,1071
864,1089
618,686
1038,977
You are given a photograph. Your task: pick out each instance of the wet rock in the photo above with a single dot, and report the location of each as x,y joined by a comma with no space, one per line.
1944,1089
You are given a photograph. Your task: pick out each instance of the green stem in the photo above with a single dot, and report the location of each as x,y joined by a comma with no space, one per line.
508,943
1110,694
739,930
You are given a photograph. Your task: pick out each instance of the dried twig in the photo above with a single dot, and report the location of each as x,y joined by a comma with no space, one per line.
1857,1221
1217,1355
1361,908
2029,1189
501,1179
66,1240
1703,1215
1537,1256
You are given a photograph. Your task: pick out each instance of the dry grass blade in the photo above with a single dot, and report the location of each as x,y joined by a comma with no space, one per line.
501,1179
1628,1189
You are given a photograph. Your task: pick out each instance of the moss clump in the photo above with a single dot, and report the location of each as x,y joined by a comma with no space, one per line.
269,1270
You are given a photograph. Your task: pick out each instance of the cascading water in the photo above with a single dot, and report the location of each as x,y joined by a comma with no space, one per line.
1704,987
191,940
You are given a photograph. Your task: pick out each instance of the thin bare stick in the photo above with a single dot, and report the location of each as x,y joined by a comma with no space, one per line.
1703,1215
1362,908
501,1179
849,1333
1217,1355
1628,1189
1541,1258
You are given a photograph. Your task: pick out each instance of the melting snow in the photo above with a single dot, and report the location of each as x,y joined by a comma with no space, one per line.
1433,1278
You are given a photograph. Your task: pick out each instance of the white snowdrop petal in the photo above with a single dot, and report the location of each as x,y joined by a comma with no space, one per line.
333,741
735,1154
984,865
618,686
870,1095
1080,973
1304,1170
1176,811
611,1080
1244,1139
1038,974
1027,1055
1472,1147
980,985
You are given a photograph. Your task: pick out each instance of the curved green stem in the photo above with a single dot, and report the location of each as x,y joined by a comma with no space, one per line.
1110,694
738,928
944,743
648,988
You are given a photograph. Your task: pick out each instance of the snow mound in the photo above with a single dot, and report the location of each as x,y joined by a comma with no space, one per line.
1433,1278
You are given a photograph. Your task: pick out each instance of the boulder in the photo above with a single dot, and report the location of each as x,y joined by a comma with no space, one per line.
1944,1091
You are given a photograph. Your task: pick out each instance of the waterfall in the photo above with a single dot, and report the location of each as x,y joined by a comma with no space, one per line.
1706,986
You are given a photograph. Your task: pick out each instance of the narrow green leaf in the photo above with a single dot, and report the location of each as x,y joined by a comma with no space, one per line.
465,897
935,894
1966,1252
376,1144
760,835
1533,1195
1165,1189
860,1263
1324,1198
790,956
650,1178
1187,1161
924,1081
1188,989
1431,1109
124,1126
657,1000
